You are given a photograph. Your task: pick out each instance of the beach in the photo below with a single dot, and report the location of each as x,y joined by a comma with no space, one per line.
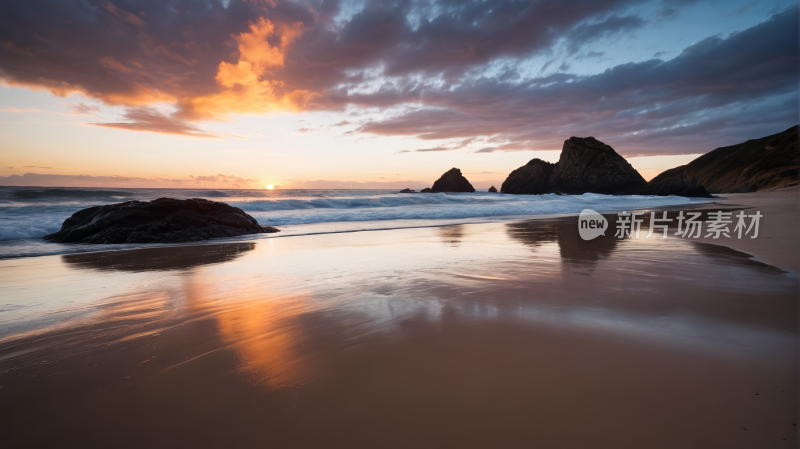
497,334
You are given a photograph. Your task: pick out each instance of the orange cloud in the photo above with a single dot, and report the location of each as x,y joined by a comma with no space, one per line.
138,96
151,120
247,88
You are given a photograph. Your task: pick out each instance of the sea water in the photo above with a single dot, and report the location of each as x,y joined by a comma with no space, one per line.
29,213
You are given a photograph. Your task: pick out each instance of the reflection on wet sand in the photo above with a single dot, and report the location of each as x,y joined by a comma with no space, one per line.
451,235
159,259
261,327
511,335
572,248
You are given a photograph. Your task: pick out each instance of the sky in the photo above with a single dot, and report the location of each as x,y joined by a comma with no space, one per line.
363,94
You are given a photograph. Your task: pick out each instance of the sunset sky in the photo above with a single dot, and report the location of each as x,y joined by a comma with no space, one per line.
359,94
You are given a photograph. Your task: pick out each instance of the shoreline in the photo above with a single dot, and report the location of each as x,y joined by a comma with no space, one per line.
778,251
473,335
334,227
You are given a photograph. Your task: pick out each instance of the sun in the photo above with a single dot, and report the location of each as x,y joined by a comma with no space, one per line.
270,187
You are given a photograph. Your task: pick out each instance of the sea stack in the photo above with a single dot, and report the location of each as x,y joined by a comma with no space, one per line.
165,220
492,189
452,181
586,165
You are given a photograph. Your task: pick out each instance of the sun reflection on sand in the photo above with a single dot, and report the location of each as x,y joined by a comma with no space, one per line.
266,336
260,326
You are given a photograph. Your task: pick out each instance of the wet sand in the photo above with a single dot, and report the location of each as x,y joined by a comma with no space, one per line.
486,335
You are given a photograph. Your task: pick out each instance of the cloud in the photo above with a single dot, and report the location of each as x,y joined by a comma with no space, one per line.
718,90
426,150
447,70
614,24
53,180
234,181
591,55
447,147
151,120
14,110
210,59
741,9
85,109
331,184
247,86
36,166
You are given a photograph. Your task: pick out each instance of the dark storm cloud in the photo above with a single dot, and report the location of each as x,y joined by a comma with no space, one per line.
140,52
588,32
735,85
209,59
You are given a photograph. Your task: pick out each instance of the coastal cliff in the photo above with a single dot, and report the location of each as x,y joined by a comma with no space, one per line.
768,162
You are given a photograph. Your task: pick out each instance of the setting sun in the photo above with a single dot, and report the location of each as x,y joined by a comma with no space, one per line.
270,187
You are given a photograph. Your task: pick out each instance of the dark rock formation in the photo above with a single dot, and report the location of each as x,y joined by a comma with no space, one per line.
164,220
406,191
492,189
588,165
426,190
532,178
452,181
772,161
585,165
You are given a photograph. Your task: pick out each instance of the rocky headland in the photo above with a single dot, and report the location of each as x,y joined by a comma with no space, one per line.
585,165
768,162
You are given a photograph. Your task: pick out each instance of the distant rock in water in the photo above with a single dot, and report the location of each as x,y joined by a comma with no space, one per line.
164,220
426,190
768,162
406,191
492,189
586,165
452,181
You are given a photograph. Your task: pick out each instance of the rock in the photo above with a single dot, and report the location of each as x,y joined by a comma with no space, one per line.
588,165
492,189
768,162
406,191
675,182
452,181
426,190
164,220
532,178
585,165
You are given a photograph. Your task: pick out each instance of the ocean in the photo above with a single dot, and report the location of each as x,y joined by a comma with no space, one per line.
29,213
